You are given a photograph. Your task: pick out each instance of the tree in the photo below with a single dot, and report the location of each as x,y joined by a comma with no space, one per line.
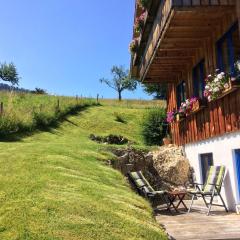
159,91
8,73
39,91
121,81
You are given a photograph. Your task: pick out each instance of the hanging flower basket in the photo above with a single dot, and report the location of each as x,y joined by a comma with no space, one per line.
139,23
133,46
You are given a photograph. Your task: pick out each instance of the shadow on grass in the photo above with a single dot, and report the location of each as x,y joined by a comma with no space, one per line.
53,125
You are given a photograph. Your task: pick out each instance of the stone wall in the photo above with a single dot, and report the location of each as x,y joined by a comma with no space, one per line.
165,168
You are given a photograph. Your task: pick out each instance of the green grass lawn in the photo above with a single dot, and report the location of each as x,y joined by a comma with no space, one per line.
53,185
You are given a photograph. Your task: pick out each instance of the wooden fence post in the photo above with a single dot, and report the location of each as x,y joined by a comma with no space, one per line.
41,107
97,97
1,108
58,104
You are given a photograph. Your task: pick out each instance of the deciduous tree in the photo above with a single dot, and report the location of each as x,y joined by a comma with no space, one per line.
121,81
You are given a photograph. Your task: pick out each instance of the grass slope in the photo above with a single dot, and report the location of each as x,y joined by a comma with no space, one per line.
26,112
53,186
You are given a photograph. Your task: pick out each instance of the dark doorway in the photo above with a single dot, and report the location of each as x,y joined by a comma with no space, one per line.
206,161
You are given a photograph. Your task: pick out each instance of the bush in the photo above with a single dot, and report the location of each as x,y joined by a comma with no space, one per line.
154,127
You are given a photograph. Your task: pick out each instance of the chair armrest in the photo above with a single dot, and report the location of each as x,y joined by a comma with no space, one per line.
214,184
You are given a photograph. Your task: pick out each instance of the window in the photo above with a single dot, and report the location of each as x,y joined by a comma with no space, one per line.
199,74
206,160
181,93
228,50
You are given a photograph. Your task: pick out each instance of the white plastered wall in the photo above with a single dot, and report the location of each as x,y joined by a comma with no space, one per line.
223,154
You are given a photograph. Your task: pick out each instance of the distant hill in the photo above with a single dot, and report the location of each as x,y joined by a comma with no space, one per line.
6,87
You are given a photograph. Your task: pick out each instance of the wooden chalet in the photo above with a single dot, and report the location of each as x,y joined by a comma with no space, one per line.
180,43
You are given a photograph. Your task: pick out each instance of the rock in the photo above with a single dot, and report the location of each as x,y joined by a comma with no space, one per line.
171,165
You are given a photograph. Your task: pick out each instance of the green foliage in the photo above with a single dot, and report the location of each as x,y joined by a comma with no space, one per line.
154,127
121,81
159,91
39,91
8,73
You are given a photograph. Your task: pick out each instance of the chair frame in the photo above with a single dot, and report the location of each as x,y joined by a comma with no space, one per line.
154,197
216,192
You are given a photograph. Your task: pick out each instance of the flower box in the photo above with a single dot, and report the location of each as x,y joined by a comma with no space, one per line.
198,105
233,86
220,84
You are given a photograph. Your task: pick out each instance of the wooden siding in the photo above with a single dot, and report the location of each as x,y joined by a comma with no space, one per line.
184,33
219,117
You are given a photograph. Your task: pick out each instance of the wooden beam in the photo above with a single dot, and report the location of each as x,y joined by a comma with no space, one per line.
238,13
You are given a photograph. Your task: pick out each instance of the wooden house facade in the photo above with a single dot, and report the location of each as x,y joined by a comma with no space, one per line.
182,42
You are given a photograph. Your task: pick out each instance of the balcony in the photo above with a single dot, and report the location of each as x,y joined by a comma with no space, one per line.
217,118
177,33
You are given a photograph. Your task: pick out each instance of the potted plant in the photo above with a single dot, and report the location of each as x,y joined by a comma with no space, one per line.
133,46
167,140
217,84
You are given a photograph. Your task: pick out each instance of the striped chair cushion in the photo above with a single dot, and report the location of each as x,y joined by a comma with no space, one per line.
140,183
135,175
215,176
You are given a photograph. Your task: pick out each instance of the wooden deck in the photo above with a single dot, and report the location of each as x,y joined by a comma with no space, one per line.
197,226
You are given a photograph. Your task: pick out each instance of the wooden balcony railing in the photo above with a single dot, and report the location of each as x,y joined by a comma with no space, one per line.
164,14
219,117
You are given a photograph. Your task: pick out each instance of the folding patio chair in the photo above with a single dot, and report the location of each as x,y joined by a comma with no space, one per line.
143,187
211,188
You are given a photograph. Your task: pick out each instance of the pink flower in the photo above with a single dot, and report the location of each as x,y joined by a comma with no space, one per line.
170,117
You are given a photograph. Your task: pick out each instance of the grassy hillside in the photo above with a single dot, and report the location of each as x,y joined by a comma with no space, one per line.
24,112
53,185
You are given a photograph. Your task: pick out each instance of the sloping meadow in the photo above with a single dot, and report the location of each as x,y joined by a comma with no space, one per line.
25,112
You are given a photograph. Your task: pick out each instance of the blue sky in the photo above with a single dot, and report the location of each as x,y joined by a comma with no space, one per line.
66,46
